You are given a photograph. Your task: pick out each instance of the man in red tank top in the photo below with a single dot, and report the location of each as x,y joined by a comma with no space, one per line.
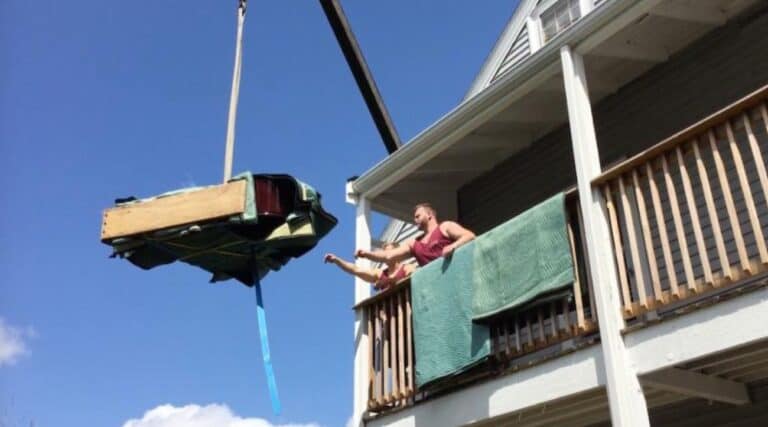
439,239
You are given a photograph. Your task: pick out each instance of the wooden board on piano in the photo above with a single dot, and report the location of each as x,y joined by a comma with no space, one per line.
171,211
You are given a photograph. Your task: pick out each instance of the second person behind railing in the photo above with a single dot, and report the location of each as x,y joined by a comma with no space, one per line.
440,239
381,279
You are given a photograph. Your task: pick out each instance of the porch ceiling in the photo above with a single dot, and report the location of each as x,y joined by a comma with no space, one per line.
620,41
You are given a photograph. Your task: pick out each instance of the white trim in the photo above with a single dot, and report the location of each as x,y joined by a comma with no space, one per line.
725,325
561,377
362,292
625,395
535,39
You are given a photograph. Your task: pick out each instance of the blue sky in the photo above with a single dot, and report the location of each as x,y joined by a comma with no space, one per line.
107,99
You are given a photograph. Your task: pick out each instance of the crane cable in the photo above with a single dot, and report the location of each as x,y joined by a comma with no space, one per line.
228,154
230,143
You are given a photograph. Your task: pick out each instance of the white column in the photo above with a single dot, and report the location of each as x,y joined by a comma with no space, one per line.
627,402
362,292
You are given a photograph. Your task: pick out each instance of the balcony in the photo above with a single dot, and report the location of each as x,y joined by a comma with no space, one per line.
687,219
545,329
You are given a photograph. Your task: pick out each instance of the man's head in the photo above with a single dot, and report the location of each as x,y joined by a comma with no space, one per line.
423,214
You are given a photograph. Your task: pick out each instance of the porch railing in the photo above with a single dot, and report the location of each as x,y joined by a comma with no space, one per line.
390,331
388,320
689,215
518,333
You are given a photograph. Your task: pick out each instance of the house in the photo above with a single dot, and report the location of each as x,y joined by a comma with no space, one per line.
651,116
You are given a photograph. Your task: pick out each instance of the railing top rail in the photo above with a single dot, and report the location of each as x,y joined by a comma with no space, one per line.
686,134
384,294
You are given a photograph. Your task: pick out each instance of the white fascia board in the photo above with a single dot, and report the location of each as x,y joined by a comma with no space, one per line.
722,326
567,375
471,113
501,48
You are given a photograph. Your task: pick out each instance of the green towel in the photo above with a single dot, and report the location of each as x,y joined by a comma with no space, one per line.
522,259
446,340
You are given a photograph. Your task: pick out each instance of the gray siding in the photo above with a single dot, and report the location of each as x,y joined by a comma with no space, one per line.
717,70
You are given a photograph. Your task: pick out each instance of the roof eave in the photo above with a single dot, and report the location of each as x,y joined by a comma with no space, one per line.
474,111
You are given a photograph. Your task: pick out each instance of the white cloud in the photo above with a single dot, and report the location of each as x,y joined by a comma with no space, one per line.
213,415
12,342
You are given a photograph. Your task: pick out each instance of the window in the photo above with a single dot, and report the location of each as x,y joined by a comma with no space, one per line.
559,17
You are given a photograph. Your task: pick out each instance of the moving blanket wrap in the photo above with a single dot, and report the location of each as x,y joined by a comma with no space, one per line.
233,247
446,341
521,260
520,263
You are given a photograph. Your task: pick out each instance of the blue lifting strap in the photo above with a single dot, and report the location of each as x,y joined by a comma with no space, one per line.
262,320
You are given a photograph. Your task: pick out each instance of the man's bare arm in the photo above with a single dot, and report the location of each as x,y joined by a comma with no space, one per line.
400,253
369,275
457,233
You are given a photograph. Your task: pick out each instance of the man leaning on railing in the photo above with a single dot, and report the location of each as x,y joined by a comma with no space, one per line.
439,239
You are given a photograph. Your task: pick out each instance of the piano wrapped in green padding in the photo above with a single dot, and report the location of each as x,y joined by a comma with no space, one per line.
264,223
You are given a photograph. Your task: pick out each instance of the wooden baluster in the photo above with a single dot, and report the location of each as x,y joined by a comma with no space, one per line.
507,345
592,306
576,283
764,115
618,250
648,239
385,350
570,330
629,221
661,224
393,348
760,166
382,338
747,192
730,208
679,230
688,191
553,321
409,343
518,345
542,329
722,254
369,314
529,331
400,343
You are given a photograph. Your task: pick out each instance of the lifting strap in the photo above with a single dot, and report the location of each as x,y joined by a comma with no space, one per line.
230,144
262,320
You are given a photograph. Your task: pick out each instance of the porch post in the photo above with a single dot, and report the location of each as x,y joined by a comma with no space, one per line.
625,396
362,292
